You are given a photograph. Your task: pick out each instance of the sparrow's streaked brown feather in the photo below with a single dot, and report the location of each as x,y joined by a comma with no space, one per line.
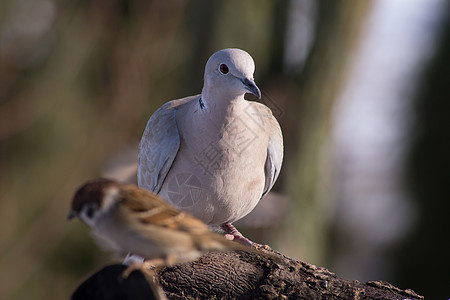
127,219
158,212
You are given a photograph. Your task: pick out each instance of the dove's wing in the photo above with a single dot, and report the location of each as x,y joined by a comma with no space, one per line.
275,148
159,145
274,159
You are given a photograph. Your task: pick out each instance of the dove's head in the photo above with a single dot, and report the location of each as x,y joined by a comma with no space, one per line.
93,200
230,72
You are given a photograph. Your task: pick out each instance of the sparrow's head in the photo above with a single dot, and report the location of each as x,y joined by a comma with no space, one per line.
93,199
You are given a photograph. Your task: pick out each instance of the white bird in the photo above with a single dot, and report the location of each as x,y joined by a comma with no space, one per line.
216,154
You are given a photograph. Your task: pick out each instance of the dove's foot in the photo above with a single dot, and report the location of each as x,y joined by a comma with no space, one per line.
231,233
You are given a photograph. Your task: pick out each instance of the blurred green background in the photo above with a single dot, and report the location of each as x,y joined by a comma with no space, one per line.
361,89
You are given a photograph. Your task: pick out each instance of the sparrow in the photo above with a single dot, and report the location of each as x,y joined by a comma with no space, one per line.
126,219
215,154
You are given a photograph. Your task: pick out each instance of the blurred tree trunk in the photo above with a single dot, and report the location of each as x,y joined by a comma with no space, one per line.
338,28
429,182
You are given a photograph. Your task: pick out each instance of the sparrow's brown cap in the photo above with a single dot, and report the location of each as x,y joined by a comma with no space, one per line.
90,192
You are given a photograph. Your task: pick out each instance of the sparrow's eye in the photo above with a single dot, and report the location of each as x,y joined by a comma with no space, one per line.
90,211
223,68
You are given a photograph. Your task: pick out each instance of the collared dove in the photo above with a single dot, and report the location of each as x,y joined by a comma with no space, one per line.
216,154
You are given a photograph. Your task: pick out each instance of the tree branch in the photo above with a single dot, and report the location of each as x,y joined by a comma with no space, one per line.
237,275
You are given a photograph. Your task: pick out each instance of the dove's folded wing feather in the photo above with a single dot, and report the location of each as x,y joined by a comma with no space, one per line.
159,145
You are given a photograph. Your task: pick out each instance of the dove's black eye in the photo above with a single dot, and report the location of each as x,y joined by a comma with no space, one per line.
223,68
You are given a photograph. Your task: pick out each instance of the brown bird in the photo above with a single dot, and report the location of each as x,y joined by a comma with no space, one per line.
126,219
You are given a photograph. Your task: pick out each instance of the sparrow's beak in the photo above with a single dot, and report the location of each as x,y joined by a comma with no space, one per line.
250,85
71,215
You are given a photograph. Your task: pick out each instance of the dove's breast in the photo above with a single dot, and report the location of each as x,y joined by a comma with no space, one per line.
218,173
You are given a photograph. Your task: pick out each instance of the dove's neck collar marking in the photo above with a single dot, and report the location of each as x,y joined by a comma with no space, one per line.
201,103
219,100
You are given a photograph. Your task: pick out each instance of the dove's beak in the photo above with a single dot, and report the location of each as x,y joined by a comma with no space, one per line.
250,85
71,215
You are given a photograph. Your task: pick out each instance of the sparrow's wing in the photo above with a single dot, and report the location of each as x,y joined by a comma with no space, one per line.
275,148
150,209
159,145
188,231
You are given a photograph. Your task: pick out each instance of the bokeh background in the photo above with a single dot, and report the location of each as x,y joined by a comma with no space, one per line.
361,89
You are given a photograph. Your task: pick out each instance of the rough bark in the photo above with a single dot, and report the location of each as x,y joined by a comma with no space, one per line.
237,275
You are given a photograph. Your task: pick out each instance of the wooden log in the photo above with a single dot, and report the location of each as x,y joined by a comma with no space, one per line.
237,275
